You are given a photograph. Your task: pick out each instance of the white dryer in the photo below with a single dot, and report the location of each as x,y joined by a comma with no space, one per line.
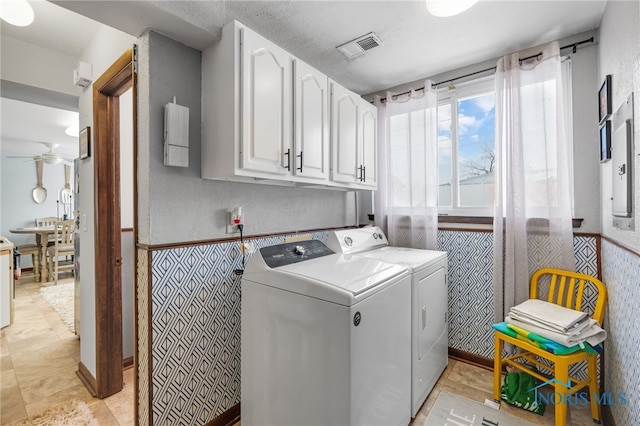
325,338
429,295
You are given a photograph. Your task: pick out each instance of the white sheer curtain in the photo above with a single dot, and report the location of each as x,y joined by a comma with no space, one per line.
406,203
533,215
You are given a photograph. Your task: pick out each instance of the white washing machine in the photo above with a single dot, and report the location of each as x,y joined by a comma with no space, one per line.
429,295
325,338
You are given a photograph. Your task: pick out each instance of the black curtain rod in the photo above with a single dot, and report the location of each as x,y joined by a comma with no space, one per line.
573,45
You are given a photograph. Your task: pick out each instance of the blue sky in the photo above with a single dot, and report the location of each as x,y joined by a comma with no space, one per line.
476,126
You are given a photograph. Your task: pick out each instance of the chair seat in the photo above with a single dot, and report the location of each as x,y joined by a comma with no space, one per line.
66,248
28,249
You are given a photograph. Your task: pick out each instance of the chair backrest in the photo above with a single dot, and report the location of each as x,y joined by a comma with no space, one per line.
566,288
65,232
46,221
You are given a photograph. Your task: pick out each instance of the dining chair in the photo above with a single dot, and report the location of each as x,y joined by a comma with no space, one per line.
32,250
574,291
46,221
63,247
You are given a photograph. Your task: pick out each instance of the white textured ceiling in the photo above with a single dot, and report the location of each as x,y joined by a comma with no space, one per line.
416,45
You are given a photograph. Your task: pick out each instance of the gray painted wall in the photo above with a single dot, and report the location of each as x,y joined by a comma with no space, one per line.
619,55
175,204
18,178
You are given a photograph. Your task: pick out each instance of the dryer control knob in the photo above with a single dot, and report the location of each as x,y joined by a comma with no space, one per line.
299,250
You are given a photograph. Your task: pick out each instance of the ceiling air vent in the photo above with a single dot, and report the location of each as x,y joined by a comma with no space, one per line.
358,46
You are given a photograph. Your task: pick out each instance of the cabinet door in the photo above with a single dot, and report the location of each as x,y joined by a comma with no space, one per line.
344,134
311,122
266,106
368,144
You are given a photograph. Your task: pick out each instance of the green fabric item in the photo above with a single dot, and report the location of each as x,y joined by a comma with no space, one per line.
518,390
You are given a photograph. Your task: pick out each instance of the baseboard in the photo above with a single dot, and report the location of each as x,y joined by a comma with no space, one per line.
87,379
470,358
228,418
607,415
127,363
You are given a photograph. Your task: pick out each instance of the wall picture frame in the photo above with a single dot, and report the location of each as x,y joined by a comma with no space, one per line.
605,141
85,142
604,100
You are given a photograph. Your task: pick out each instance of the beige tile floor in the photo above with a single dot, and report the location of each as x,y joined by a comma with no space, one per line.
40,354
39,360
476,383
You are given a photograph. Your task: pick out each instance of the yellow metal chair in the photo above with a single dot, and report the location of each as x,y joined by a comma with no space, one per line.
565,289
63,247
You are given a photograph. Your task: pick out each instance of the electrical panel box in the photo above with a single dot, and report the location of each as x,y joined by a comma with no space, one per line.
176,135
622,166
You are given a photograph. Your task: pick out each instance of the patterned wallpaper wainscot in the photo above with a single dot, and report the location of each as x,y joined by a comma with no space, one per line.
621,274
192,297
471,285
195,332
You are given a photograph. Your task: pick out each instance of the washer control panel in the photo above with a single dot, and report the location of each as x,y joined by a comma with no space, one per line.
350,241
288,253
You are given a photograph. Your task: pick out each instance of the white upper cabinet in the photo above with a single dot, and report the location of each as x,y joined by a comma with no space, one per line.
266,105
368,144
344,134
311,122
354,139
268,117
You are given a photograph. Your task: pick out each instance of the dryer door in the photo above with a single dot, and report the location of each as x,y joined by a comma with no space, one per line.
432,308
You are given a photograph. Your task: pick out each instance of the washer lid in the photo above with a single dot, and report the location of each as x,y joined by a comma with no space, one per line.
414,259
338,278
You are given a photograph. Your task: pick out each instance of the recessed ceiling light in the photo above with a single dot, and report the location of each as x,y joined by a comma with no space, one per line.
444,8
16,12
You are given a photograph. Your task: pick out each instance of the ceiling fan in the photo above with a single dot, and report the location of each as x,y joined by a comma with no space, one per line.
49,157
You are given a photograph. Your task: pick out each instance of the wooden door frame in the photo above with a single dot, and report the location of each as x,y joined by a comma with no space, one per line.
116,80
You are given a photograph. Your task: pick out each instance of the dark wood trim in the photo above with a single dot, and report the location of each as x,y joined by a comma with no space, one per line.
150,335
477,220
228,418
621,245
461,229
470,358
157,247
599,255
182,244
116,80
87,379
488,220
134,108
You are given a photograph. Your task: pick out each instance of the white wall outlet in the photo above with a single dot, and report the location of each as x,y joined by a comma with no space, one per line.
231,228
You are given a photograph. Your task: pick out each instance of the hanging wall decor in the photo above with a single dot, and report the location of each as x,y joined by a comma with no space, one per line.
85,143
605,141
604,98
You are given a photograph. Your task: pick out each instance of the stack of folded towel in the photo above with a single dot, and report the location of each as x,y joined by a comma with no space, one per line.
543,324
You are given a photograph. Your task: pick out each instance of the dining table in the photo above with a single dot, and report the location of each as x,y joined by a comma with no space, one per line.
42,234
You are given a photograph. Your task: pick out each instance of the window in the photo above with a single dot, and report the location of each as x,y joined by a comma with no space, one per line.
466,149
